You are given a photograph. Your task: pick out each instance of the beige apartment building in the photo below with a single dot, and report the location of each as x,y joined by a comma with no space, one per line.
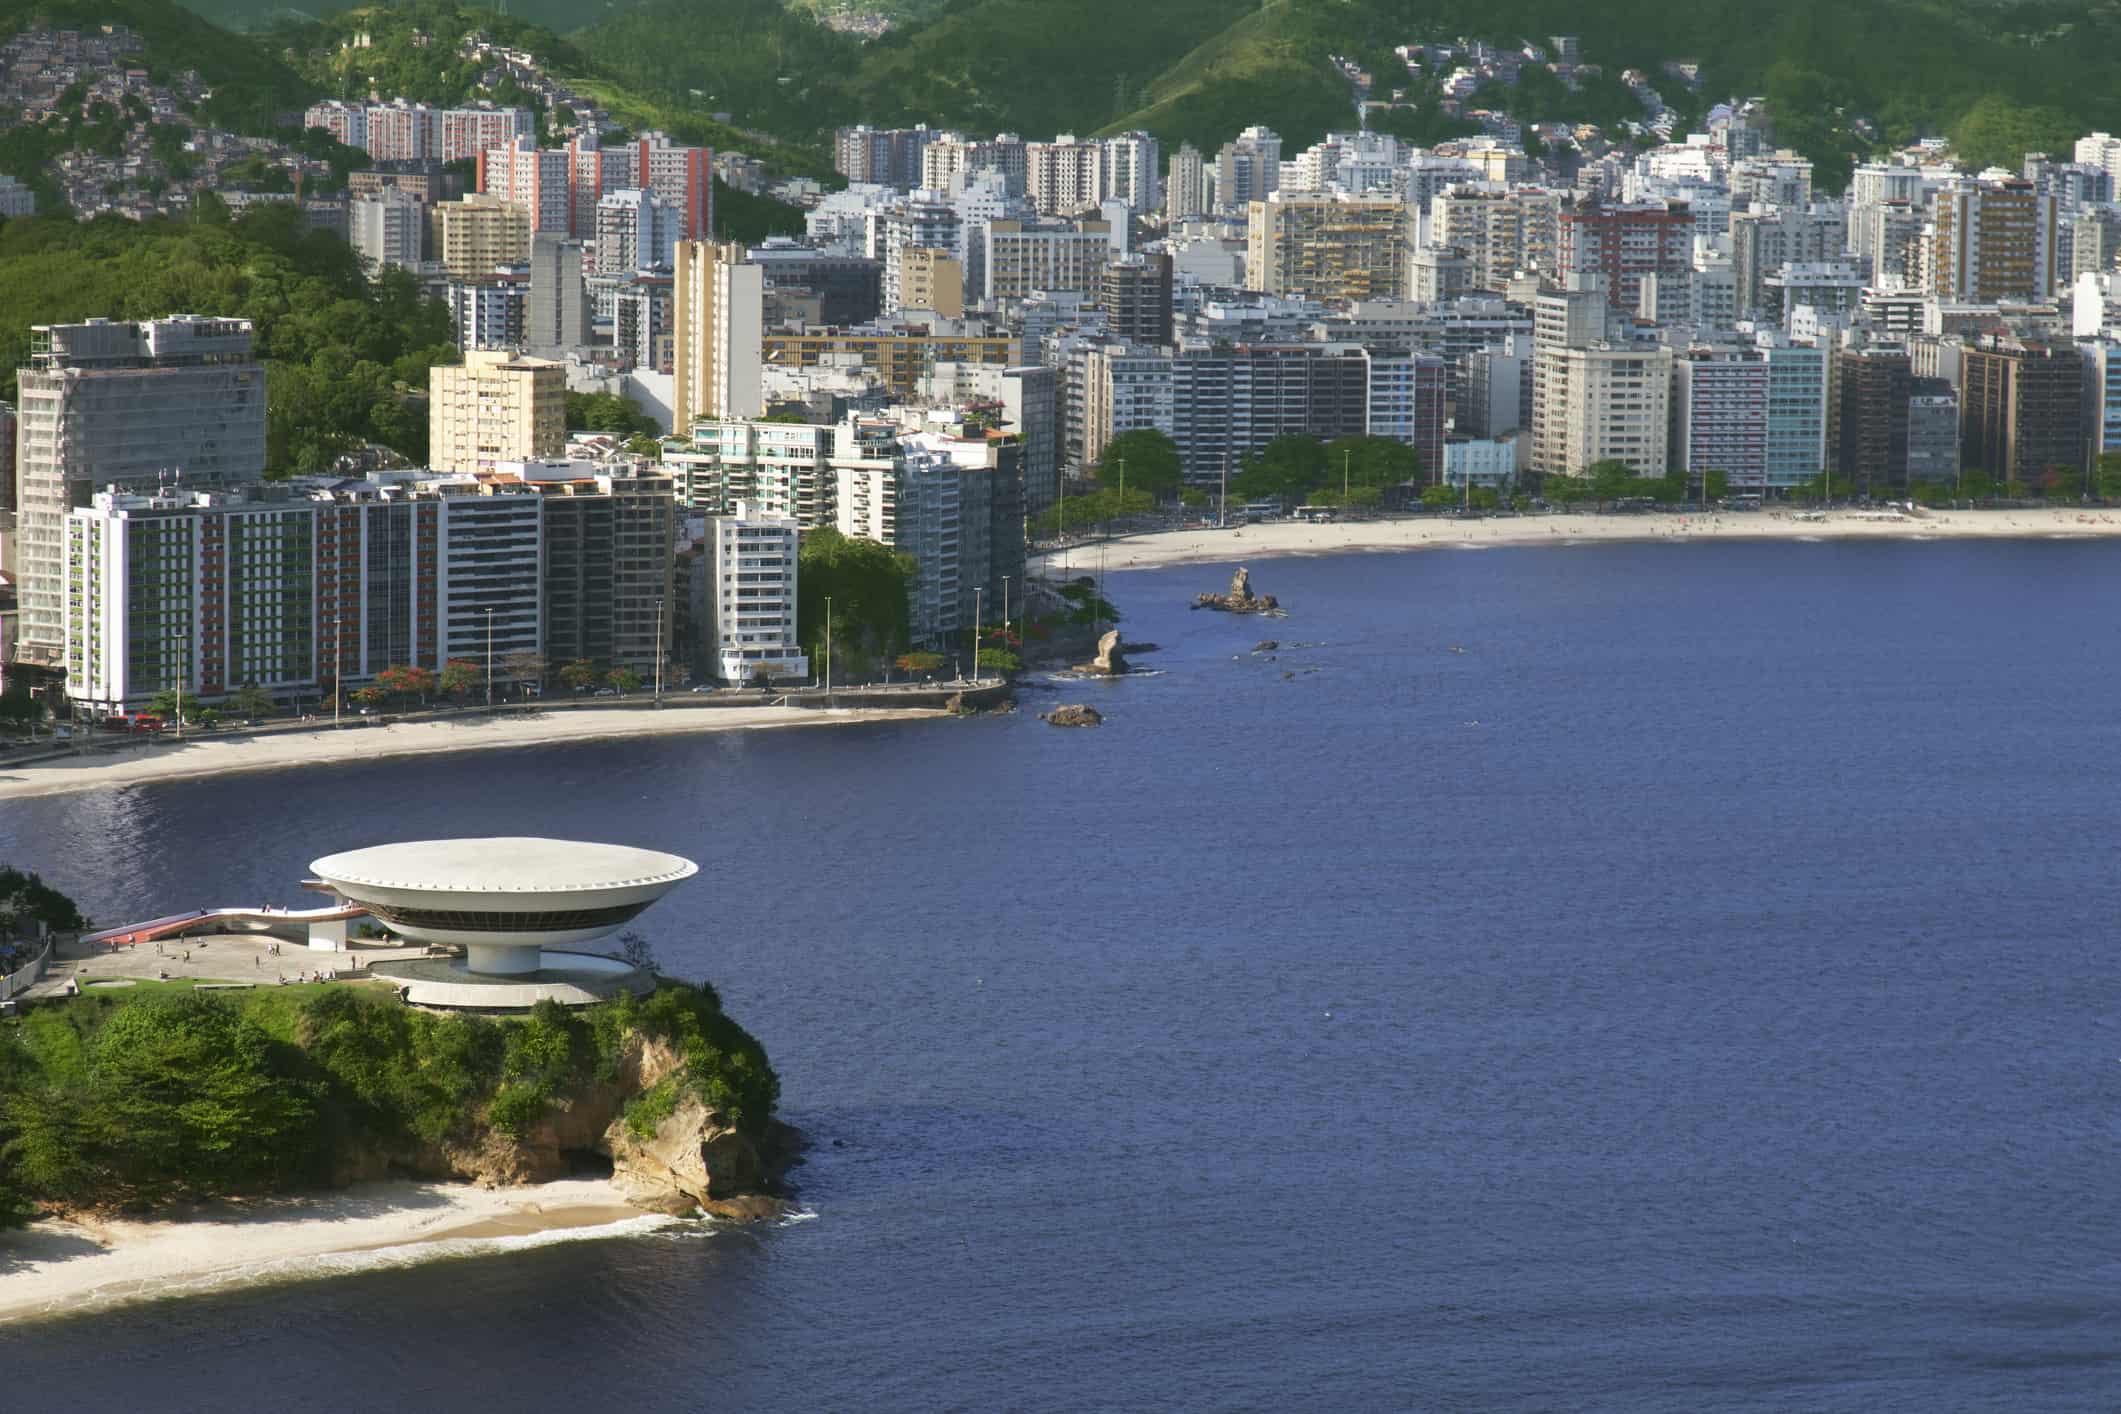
717,321
1327,247
474,235
931,279
496,406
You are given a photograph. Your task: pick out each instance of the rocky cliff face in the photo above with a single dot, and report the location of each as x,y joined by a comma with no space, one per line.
695,1159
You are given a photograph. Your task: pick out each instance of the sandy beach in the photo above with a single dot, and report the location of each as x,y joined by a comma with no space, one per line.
60,1267
1286,538
208,756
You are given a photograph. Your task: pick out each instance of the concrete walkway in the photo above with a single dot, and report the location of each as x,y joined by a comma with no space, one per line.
217,957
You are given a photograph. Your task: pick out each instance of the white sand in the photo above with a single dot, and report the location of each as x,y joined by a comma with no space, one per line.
55,1268
1261,542
208,756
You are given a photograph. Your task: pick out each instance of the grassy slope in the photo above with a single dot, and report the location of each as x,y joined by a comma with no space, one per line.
1030,65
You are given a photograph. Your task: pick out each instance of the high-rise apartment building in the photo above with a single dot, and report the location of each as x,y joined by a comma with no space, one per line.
199,592
1328,247
751,592
921,220
2021,408
1021,258
179,401
495,407
1763,240
607,577
1871,389
1504,231
1132,172
1065,176
556,317
1134,295
490,313
1247,169
717,323
537,179
477,235
636,230
780,469
1185,185
388,228
1603,402
1623,243
889,157
933,280
1719,415
1406,404
1991,240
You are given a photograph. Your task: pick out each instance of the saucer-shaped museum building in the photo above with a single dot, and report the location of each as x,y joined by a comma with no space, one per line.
505,899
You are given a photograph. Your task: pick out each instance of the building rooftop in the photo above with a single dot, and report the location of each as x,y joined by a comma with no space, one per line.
505,864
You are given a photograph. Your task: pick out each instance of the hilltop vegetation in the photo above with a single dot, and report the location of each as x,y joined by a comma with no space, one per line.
341,351
1993,76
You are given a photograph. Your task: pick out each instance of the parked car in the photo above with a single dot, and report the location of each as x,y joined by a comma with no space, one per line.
607,692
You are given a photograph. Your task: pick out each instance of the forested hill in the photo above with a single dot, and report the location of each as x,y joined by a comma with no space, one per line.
1998,77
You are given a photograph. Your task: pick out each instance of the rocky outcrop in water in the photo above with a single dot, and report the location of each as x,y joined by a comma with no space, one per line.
1074,714
1110,661
1240,599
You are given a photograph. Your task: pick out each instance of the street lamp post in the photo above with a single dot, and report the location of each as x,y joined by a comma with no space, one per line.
658,652
828,650
489,659
1005,610
976,592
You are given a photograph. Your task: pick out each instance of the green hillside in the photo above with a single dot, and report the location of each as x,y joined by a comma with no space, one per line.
250,86
1032,66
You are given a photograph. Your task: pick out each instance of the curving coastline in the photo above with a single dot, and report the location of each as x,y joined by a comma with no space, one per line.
1288,538
216,755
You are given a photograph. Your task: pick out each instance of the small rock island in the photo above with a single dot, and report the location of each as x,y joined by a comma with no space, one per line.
1240,599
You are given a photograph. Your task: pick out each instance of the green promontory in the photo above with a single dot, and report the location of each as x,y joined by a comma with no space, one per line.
138,1101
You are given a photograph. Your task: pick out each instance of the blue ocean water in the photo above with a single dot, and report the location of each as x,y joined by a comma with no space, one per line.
1660,977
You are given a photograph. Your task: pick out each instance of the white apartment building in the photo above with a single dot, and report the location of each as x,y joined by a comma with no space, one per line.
388,228
1483,461
1131,171
921,220
636,230
197,591
780,470
1602,402
1064,176
752,596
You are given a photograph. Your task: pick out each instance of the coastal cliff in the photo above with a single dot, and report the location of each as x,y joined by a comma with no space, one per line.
138,1103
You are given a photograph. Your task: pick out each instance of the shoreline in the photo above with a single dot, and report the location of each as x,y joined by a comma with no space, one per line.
66,1267
1287,539
214,756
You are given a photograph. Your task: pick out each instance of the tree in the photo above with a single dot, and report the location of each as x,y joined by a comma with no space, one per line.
1609,480
1001,660
369,696
1287,467
461,677
624,679
18,708
171,702
636,951
1151,461
523,667
1371,461
401,681
578,674
1564,490
250,700
1438,496
608,412
919,662
1716,484
2106,476
868,584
